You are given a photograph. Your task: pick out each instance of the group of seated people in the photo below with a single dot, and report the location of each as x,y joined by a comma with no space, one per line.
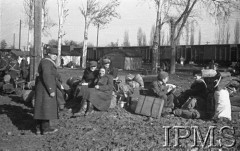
12,73
204,99
96,87
199,101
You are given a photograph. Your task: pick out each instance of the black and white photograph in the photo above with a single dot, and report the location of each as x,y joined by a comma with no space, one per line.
120,75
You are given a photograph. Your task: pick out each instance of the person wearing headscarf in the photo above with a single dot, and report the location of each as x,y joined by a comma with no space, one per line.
88,81
46,104
109,69
100,96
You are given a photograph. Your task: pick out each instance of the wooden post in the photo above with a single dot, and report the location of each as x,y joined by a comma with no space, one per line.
97,34
20,29
36,51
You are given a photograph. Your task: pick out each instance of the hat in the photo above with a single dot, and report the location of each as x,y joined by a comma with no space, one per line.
162,75
106,61
92,63
52,51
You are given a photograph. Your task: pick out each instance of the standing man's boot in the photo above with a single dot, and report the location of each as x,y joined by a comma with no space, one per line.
47,128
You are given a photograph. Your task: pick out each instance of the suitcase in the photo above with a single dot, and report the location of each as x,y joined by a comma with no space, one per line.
149,106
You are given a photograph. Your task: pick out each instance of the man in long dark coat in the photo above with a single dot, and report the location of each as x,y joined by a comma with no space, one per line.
46,106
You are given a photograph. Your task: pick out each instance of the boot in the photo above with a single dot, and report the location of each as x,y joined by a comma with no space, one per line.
38,127
83,108
90,108
46,128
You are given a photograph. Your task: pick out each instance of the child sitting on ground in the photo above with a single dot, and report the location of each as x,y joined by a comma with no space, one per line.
165,91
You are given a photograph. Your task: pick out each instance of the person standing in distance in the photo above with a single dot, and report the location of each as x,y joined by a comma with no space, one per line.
46,106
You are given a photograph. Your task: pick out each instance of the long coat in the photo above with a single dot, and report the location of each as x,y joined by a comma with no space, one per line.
159,89
101,98
46,107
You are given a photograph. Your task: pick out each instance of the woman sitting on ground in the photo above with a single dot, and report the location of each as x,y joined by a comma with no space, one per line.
88,81
100,96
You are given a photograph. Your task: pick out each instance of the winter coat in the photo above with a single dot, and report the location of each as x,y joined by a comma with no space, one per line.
159,89
46,107
89,77
101,98
197,89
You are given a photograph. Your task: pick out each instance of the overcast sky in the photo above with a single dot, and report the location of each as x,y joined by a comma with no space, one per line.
134,14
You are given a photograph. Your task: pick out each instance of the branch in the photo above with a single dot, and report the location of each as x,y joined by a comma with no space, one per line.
185,18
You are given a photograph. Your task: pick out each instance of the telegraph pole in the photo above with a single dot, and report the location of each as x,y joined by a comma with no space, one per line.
20,28
36,51
97,33
14,40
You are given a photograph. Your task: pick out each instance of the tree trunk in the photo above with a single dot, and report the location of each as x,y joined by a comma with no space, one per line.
155,44
173,47
58,61
60,31
84,52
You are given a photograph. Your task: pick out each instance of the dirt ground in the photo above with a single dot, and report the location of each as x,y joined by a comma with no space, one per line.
117,129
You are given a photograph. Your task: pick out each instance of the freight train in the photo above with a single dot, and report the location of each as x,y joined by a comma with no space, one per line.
201,54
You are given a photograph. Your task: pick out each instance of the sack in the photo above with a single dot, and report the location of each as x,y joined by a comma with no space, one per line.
149,106
8,88
139,79
28,95
222,104
209,73
189,104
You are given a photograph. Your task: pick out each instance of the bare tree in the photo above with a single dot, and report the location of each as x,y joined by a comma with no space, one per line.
199,37
29,11
126,39
152,35
237,32
62,15
3,44
162,7
47,23
113,44
144,40
97,13
53,42
228,34
162,37
192,33
140,37
187,30
186,7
